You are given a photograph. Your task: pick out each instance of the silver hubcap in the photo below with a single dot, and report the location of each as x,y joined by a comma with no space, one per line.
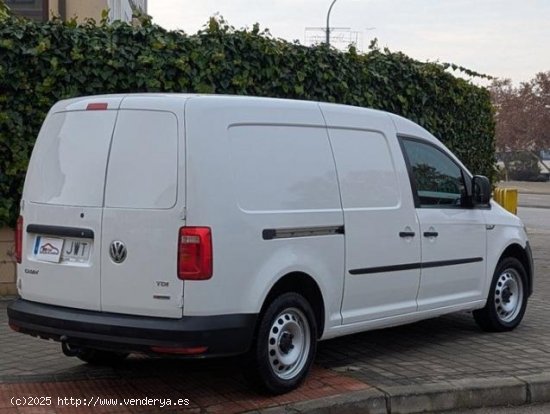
508,295
289,343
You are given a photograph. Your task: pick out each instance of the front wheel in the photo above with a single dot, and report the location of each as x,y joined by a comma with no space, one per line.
285,345
507,298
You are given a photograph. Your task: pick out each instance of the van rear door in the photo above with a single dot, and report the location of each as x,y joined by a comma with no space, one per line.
62,205
143,212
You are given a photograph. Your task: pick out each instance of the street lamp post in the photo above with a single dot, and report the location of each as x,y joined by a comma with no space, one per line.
328,22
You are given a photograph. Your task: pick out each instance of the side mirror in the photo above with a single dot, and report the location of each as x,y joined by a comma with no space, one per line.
481,189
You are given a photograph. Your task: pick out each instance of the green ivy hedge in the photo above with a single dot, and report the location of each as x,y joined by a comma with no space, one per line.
43,63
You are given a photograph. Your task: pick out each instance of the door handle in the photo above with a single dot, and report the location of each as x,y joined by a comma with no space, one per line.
431,234
406,234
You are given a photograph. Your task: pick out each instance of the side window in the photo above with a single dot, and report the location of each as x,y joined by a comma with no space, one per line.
439,181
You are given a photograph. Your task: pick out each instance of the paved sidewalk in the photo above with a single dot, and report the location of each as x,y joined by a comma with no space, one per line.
437,364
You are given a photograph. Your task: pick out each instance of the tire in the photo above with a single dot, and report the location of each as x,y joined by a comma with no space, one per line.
101,358
285,345
507,299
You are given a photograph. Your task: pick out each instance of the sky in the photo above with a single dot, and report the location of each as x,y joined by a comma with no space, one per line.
501,38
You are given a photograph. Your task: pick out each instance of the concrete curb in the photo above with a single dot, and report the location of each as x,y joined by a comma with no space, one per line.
457,395
450,395
538,387
371,401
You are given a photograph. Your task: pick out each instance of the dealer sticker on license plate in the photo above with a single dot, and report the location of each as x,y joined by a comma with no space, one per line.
48,249
57,250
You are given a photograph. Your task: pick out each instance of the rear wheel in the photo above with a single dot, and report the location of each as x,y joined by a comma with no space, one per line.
285,345
99,357
507,298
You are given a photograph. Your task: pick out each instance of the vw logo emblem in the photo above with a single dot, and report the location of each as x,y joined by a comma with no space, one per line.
117,251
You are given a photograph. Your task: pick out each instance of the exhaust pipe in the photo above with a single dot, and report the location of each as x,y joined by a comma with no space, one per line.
69,350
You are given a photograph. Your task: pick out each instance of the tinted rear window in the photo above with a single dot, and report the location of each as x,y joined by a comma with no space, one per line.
69,159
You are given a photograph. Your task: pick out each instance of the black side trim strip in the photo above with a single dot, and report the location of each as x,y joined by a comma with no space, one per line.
451,262
394,268
288,233
60,231
410,266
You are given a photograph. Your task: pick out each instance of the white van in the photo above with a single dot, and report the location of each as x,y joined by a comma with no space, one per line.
203,226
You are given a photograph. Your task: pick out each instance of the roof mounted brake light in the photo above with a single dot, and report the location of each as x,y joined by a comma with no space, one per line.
97,106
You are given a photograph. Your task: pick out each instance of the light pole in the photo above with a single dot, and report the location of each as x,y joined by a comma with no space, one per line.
328,22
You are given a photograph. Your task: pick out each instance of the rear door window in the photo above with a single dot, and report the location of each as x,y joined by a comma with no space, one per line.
143,163
69,160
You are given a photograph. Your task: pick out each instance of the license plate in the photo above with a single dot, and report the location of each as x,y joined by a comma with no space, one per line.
76,250
57,250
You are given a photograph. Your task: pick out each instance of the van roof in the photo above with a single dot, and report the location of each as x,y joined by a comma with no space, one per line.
169,101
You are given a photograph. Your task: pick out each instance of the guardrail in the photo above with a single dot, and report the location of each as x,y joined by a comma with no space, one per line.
507,198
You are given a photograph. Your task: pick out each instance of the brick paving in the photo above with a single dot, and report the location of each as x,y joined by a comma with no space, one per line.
434,351
34,367
211,392
451,347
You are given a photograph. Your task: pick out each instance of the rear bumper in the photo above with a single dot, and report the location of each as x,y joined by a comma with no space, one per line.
220,334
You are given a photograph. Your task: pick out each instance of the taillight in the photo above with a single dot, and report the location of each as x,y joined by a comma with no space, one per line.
19,239
195,253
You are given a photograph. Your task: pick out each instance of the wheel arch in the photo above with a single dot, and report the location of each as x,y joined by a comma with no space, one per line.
524,255
305,285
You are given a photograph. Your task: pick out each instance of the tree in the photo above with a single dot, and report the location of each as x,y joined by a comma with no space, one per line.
522,116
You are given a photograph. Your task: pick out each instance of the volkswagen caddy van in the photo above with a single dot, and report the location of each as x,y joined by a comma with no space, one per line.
202,226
